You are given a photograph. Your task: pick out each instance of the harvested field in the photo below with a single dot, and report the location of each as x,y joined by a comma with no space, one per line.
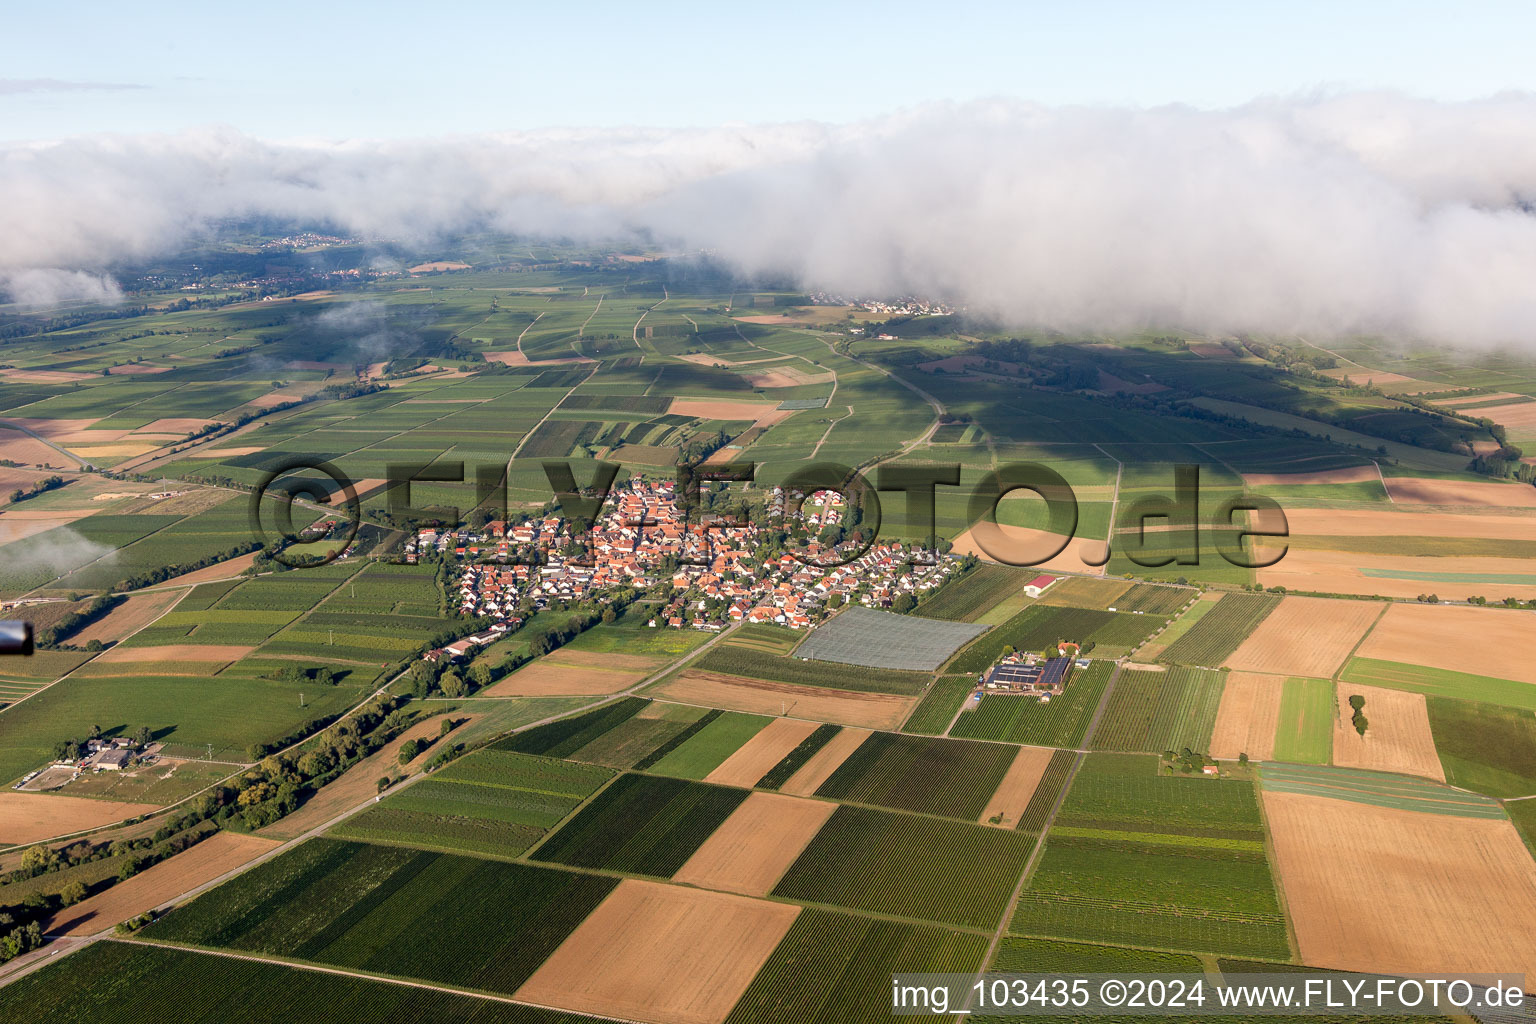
820,767
1462,890
170,653
1437,636
1348,475
219,853
1017,788
136,612
765,697
1398,738
762,414
1002,537
1248,716
218,571
787,377
662,954
756,845
28,817
1457,492
1345,572
1305,636
568,673
18,525
1518,415
761,752
21,447
1408,522
1085,592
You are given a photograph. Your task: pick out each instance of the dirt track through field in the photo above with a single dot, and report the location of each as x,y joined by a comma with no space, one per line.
1248,716
1397,737
750,852
1389,891
1018,786
808,779
1305,636
662,954
1482,641
219,853
28,817
770,746
763,697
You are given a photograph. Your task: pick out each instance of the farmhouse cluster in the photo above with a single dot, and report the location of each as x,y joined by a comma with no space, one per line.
718,574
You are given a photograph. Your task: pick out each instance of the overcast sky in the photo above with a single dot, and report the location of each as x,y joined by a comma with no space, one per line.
282,70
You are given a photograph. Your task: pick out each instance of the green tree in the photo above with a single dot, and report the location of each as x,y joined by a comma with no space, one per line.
72,893
409,751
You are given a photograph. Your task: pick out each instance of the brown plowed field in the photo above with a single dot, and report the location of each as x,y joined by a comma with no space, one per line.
750,852
1305,636
824,762
764,697
1339,572
1408,522
217,571
764,414
1457,492
1483,641
1348,475
567,673
663,954
1397,738
219,853
1389,891
1026,541
132,615
760,753
1249,714
28,817
1014,792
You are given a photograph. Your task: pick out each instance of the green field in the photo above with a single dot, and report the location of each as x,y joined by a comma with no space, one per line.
1219,631
915,773
1379,789
829,965
909,866
458,920
1484,747
186,712
1057,771
1158,711
1018,719
706,750
1439,682
491,802
1150,599
562,738
1032,629
937,709
1304,734
636,737
966,598
195,988
642,825
1142,859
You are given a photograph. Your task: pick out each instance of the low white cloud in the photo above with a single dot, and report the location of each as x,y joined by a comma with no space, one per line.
1315,215
58,551
45,287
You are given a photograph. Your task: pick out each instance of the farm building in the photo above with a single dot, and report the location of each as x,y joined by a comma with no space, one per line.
1038,585
114,759
1042,678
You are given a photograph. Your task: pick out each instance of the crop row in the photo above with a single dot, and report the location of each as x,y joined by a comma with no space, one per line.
937,709
962,599
558,739
642,824
919,773
439,829
909,866
796,759
1159,711
1017,719
1219,632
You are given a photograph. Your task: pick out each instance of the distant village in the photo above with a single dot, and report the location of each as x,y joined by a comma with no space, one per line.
718,574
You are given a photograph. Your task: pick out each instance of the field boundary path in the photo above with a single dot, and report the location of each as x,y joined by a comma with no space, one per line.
8,425
546,416
525,330
1045,828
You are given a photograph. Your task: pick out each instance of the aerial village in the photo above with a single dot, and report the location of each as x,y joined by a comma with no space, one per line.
641,539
